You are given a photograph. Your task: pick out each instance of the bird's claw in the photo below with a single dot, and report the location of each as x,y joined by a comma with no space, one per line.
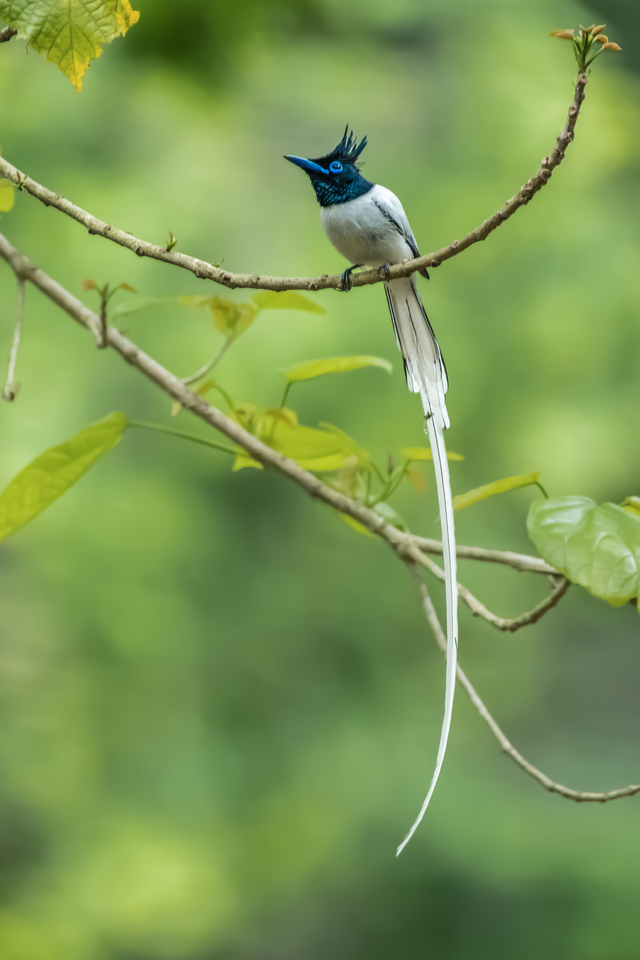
345,280
385,268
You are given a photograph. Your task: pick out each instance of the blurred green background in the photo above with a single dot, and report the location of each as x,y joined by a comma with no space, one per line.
219,707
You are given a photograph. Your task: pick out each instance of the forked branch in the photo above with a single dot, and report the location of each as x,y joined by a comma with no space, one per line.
579,796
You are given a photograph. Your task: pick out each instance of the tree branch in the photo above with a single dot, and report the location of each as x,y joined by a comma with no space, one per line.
208,271
478,609
10,389
401,543
567,792
518,561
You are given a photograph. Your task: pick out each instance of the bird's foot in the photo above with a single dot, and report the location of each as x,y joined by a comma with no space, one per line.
385,269
345,282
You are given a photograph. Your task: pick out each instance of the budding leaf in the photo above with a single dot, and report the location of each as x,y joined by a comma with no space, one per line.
56,470
7,196
491,489
318,368
286,300
595,546
70,32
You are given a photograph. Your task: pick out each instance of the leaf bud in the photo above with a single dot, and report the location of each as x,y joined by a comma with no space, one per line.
562,34
596,30
602,39
611,46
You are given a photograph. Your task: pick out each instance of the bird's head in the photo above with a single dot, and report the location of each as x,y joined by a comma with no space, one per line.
336,177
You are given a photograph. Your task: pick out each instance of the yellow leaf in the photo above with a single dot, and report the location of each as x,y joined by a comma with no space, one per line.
70,32
285,300
491,489
318,368
424,453
7,196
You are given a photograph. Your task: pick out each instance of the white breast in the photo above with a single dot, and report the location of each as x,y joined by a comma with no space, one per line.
363,232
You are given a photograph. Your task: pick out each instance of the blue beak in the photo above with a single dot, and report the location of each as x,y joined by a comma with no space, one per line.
308,165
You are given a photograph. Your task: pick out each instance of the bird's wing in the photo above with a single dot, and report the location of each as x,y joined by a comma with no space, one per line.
392,209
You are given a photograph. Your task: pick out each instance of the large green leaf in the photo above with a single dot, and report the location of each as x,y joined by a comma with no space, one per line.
52,473
491,489
318,368
70,32
595,546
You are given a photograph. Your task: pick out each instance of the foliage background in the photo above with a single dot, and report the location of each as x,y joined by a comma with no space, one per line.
219,707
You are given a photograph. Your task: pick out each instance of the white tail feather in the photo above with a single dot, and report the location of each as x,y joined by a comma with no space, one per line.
426,374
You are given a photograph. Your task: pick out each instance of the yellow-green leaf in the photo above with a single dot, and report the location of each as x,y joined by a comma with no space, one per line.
52,473
243,460
491,489
70,32
356,525
6,196
424,453
632,505
230,318
363,456
318,368
285,300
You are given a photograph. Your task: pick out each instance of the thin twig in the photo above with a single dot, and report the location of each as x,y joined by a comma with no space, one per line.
10,391
208,367
175,388
209,271
7,33
479,610
578,795
518,561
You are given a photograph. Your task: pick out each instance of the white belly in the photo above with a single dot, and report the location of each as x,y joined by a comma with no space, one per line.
360,231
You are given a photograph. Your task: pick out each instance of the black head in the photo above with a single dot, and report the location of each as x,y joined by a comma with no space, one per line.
336,177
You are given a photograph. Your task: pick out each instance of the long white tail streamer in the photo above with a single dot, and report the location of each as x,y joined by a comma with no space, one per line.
426,374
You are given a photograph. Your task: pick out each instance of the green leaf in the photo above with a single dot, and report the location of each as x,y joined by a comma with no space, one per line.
69,31
424,453
7,196
491,489
143,303
391,516
318,368
595,546
285,300
52,473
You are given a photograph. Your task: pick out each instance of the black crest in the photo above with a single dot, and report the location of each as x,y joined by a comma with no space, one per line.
347,151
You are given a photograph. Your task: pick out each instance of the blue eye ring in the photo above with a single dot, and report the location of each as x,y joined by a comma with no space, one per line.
335,167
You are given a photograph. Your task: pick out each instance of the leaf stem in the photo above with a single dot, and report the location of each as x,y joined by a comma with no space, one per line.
178,433
208,367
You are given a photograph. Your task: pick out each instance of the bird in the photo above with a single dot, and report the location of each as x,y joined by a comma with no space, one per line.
367,224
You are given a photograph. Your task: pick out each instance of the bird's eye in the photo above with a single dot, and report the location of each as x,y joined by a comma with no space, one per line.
335,167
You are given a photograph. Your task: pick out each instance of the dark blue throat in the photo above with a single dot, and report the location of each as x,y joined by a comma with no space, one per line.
330,190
